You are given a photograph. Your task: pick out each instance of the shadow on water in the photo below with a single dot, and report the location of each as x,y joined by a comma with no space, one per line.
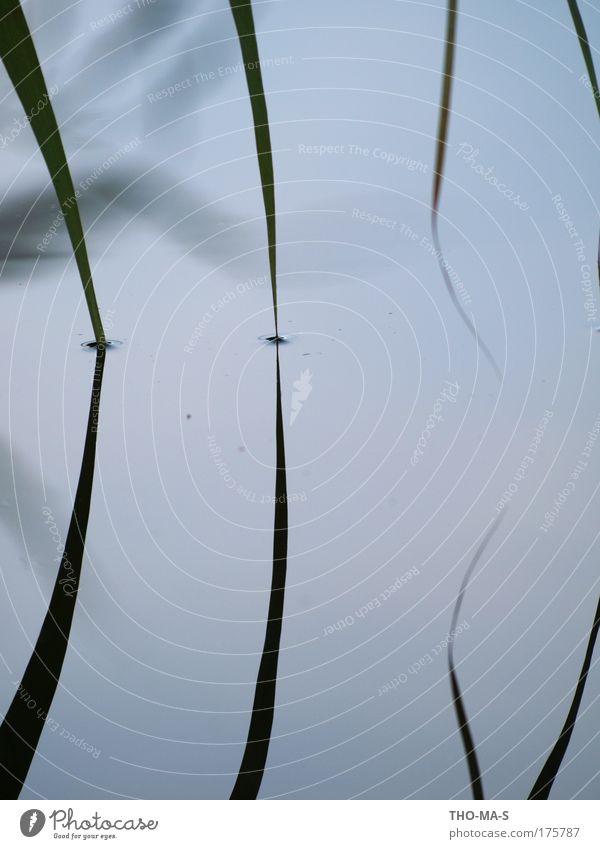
129,191
24,721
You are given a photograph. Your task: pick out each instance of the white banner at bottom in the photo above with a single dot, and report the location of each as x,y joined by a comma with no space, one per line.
302,824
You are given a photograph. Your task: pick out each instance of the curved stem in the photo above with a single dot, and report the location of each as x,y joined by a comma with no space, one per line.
543,785
23,67
23,723
244,23
585,49
255,754
459,706
440,157
254,760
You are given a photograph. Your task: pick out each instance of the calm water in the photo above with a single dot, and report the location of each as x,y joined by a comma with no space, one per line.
401,445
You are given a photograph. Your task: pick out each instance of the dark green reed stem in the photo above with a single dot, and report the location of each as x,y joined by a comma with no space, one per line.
254,759
244,23
589,64
24,721
252,768
585,49
21,62
459,706
543,785
440,157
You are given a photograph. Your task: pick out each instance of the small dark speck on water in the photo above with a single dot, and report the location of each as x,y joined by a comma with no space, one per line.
188,416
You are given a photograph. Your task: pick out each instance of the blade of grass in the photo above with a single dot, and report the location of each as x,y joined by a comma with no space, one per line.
244,24
23,724
254,759
589,64
459,706
585,49
543,785
440,157
22,65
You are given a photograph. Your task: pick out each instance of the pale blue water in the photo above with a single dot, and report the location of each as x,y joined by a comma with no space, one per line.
401,445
